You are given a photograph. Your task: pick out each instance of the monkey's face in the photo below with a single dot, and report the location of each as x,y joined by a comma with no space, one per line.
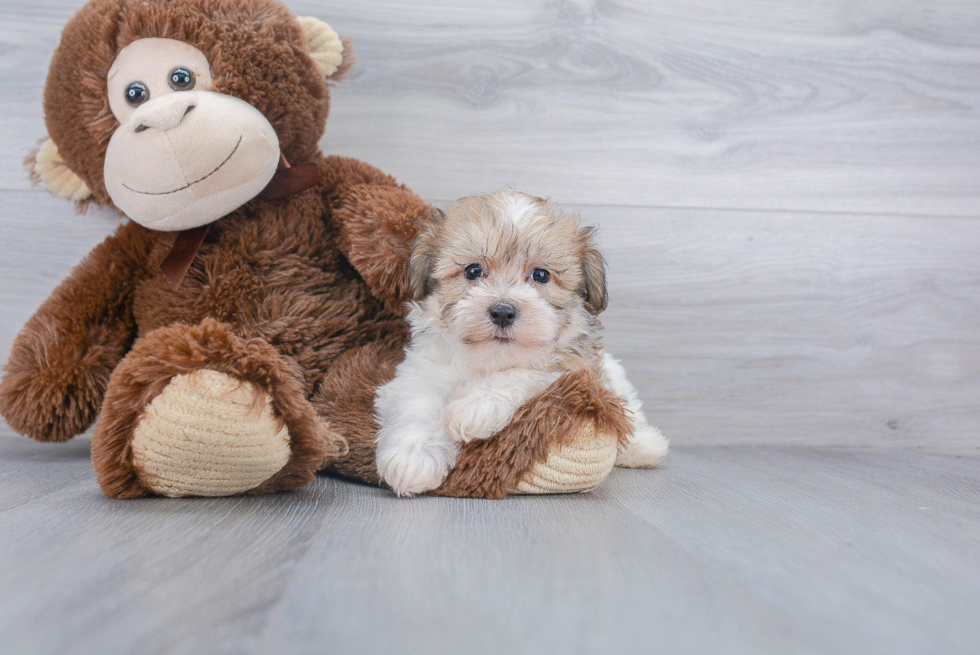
176,111
183,155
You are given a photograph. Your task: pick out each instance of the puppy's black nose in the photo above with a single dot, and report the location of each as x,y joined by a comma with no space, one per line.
503,315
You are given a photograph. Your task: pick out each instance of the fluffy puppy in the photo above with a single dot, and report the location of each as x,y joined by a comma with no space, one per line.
507,290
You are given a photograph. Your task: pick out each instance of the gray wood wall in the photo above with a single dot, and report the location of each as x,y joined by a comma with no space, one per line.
787,192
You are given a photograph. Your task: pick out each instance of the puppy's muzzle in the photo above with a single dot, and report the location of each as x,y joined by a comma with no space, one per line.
503,315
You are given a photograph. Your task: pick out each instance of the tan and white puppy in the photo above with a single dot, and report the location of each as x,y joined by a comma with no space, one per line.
507,290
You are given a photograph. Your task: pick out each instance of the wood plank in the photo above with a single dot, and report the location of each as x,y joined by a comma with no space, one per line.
744,327
729,550
825,106
829,106
150,575
737,327
527,575
808,558
862,547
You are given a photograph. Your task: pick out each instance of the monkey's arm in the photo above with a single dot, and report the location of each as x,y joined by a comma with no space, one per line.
61,361
572,404
377,219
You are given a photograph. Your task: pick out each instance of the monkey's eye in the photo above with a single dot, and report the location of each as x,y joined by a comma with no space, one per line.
181,79
473,271
137,94
540,275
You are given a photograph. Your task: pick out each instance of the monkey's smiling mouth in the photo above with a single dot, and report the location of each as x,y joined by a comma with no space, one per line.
189,184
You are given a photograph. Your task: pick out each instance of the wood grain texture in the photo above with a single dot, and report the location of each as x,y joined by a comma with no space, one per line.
736,327
110,576
724,550
835,105
756,327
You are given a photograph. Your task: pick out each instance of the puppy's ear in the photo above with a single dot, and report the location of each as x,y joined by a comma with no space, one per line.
594,274
420,263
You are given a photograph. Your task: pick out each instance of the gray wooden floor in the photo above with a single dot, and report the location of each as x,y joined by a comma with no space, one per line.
788,195
725,550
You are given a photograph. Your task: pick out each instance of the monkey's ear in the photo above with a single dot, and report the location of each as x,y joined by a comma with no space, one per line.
594,272
47,166
329,52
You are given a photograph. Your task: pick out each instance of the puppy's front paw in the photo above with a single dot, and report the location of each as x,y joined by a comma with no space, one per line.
415,466
475,417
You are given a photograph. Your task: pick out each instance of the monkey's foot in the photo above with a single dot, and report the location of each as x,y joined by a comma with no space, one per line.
197,411
580,465
208,434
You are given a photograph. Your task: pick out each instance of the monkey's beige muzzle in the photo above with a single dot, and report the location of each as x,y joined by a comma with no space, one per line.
187,159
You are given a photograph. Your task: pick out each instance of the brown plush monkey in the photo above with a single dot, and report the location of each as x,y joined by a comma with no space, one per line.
229,338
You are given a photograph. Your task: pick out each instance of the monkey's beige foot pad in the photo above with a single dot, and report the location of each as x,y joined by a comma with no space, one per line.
208,434
577,466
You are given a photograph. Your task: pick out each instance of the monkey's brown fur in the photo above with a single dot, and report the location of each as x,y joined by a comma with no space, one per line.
302,297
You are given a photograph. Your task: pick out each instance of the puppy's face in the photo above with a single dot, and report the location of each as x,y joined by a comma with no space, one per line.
509,278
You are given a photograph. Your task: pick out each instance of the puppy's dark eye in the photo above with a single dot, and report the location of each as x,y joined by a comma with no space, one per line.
540,275
473,271
181,79
137,94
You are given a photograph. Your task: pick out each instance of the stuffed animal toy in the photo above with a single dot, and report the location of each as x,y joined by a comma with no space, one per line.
229,338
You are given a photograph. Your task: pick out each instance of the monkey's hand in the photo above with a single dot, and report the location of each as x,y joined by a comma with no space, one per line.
378,219
61,361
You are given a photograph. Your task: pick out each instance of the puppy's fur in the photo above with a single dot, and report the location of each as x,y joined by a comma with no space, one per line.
490,331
